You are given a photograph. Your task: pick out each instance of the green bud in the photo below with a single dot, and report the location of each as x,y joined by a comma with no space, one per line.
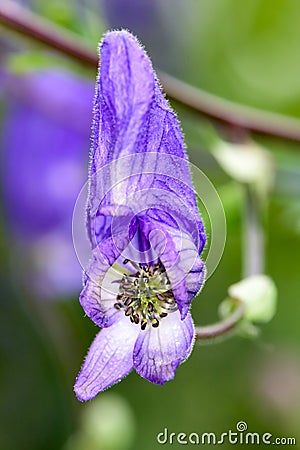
247,163
259,294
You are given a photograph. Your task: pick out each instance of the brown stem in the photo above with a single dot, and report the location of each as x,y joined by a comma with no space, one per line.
223,327
19,19
224,111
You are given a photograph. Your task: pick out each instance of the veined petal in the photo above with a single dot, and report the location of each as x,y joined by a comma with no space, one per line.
180,257
191,265
124,95
108,361
165,136
159,351
99,293
132,117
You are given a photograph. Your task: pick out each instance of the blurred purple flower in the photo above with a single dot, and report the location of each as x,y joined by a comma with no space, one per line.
45,148
139,179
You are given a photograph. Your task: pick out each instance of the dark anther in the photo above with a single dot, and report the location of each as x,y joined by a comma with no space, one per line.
155,323
126,261
129,311
169,294
136,318
150,307
162,315
127,301
118,305
143,324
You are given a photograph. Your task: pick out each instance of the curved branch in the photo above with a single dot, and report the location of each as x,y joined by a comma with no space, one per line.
230,113
223,327
19,19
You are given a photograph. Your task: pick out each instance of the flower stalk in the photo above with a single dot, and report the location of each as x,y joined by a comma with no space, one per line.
224,328
253,240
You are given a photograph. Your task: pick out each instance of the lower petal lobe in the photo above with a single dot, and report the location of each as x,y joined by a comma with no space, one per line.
109,359
159,351
99,293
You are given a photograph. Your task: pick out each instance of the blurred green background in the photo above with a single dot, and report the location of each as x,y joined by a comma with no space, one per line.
247,52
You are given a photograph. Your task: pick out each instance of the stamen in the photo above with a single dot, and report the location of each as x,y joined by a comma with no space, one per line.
134,264
118,306
150,307
146,296
129,311
143,324
155,323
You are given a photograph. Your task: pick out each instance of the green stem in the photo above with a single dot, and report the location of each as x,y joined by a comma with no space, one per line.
253,245
17,18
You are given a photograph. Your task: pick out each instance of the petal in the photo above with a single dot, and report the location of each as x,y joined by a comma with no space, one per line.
124,94
108,361
192,267
180,256
131,118
165,136
159,351
99,293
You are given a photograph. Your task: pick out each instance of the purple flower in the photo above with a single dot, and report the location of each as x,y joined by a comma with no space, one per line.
143,224
45,139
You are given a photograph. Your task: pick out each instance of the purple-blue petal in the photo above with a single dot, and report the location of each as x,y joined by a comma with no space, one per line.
99,293
124,94
132,116
159,351
180,257
110,358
